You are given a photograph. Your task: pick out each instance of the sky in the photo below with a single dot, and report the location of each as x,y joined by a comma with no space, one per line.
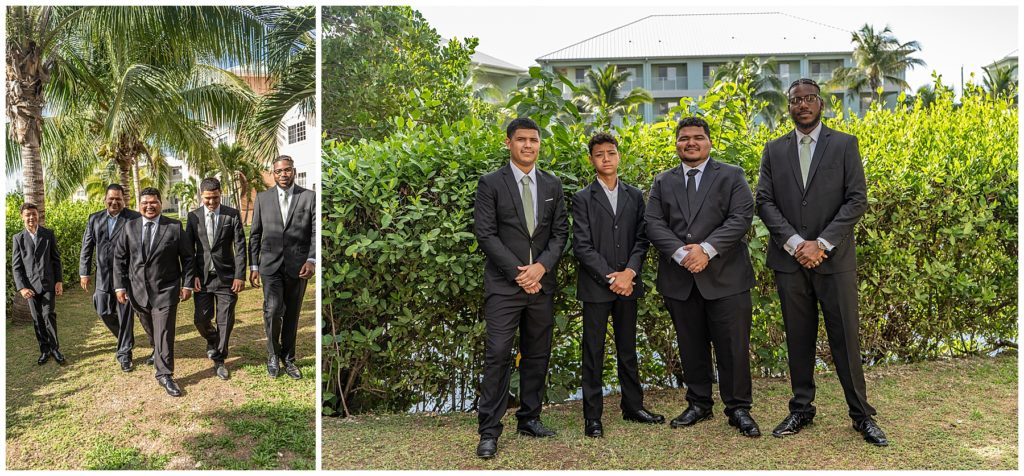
951,37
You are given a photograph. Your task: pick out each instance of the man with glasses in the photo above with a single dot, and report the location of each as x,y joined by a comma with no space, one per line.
282,254
810,195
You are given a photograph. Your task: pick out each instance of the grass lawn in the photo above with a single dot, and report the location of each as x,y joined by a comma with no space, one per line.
90,415
959,414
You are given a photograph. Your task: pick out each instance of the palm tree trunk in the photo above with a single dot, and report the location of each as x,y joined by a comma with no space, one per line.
137,183
26,76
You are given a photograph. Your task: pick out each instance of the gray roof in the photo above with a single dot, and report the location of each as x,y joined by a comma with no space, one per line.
710,34
484,59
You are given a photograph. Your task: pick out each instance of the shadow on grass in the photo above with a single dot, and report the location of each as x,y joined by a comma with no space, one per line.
257,435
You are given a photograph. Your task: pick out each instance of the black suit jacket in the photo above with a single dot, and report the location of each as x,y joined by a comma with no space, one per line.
832,203
228,251
605,242
721,217
97,241
37,268
155,282
275,246
500,227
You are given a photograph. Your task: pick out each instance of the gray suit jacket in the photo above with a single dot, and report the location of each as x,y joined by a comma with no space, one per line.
721,217
228,251
277,246
500,227
97,241
606,242
154,282
36,267
829,207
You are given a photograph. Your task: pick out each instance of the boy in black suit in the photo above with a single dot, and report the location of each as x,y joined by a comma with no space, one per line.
35,262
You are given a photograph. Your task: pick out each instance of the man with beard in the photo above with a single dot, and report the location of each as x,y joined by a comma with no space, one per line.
153,271
521,226
697,218
282,254
35,263
810,195
101,234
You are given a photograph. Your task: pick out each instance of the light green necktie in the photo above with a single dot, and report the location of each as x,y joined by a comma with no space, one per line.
805,157
528,208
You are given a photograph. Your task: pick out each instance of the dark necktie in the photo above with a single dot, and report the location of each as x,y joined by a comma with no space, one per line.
691,189
146,238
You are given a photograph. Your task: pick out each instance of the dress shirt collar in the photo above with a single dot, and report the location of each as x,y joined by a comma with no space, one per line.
155,220
686,168
281,191
606,189
814,134
518,174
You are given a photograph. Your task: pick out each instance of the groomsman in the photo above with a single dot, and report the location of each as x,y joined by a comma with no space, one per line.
153,271
610,242
101,234
35,261
219,239
697,217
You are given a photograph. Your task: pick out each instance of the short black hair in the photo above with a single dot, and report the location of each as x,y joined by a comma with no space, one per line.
520,123
283,157
28,206
115,186
807,81
209,184
150,191
693,121
601,138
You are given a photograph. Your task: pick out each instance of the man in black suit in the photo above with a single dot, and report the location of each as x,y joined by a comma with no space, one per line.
219,239
810,195
697,217
610,242
521,226
153,271
101,234
282,253
35,261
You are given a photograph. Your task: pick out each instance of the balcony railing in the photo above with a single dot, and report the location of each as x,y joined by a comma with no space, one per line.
663,84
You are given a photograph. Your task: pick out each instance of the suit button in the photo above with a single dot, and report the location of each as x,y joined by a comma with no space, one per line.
618,245
804,227
804,203
689,235
616,227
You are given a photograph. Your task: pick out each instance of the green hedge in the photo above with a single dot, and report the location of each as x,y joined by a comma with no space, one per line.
402,283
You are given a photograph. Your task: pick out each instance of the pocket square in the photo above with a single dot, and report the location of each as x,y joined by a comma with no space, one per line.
548,200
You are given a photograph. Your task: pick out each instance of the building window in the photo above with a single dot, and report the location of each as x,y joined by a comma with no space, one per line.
663,106
175,174
789,72
669,77
301,179
297,132
708,72
821,70
636,77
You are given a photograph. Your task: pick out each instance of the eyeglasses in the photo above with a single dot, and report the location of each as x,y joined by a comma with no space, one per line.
284,171
808,99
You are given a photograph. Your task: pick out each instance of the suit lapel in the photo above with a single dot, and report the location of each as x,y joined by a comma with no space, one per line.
543,190
119,223
819,151
203,232
793,159
514,191
706,181
275,202
161,226
296,192
218,232
40,244
597,193
678,190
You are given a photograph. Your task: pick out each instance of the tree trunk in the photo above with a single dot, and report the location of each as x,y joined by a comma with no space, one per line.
26,77
137,184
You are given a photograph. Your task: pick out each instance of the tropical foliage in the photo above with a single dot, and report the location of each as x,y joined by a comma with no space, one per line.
601,98
878,58
760,76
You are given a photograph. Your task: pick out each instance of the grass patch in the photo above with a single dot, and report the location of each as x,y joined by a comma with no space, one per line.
951,414
106,455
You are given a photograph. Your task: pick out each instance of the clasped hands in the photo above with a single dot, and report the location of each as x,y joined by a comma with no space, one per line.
809,255
622,282
529,277
696,258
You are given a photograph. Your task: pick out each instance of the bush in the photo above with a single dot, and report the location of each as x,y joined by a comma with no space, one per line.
402,283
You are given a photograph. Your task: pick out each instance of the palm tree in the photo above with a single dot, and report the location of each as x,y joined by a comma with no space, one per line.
51,49
243,175
878,57
1001,82
761,78
602,96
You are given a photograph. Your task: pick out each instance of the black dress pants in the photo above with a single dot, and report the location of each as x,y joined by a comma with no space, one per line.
595,327
282,301
44,320
215,303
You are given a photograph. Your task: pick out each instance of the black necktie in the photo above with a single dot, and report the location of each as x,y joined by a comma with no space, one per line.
146,238
691,189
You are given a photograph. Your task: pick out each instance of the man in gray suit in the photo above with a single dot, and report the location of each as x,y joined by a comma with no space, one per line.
101,232
697,218
610,242
219,239
810,195
153,271
35,262
521,224
282,254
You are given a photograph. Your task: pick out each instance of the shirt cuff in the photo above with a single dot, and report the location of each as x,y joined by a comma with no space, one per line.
679,255
710,250
254,268
84,276
119,290
189,289
792,243
311,260
828,246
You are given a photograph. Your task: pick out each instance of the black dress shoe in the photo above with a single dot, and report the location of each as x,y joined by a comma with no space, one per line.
57,356
273,366
534,428
487,448
221,371
872,433
126,366
792,424
168,384
741,419
45,356
690,416
292,370
149,360
643,416
593,428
